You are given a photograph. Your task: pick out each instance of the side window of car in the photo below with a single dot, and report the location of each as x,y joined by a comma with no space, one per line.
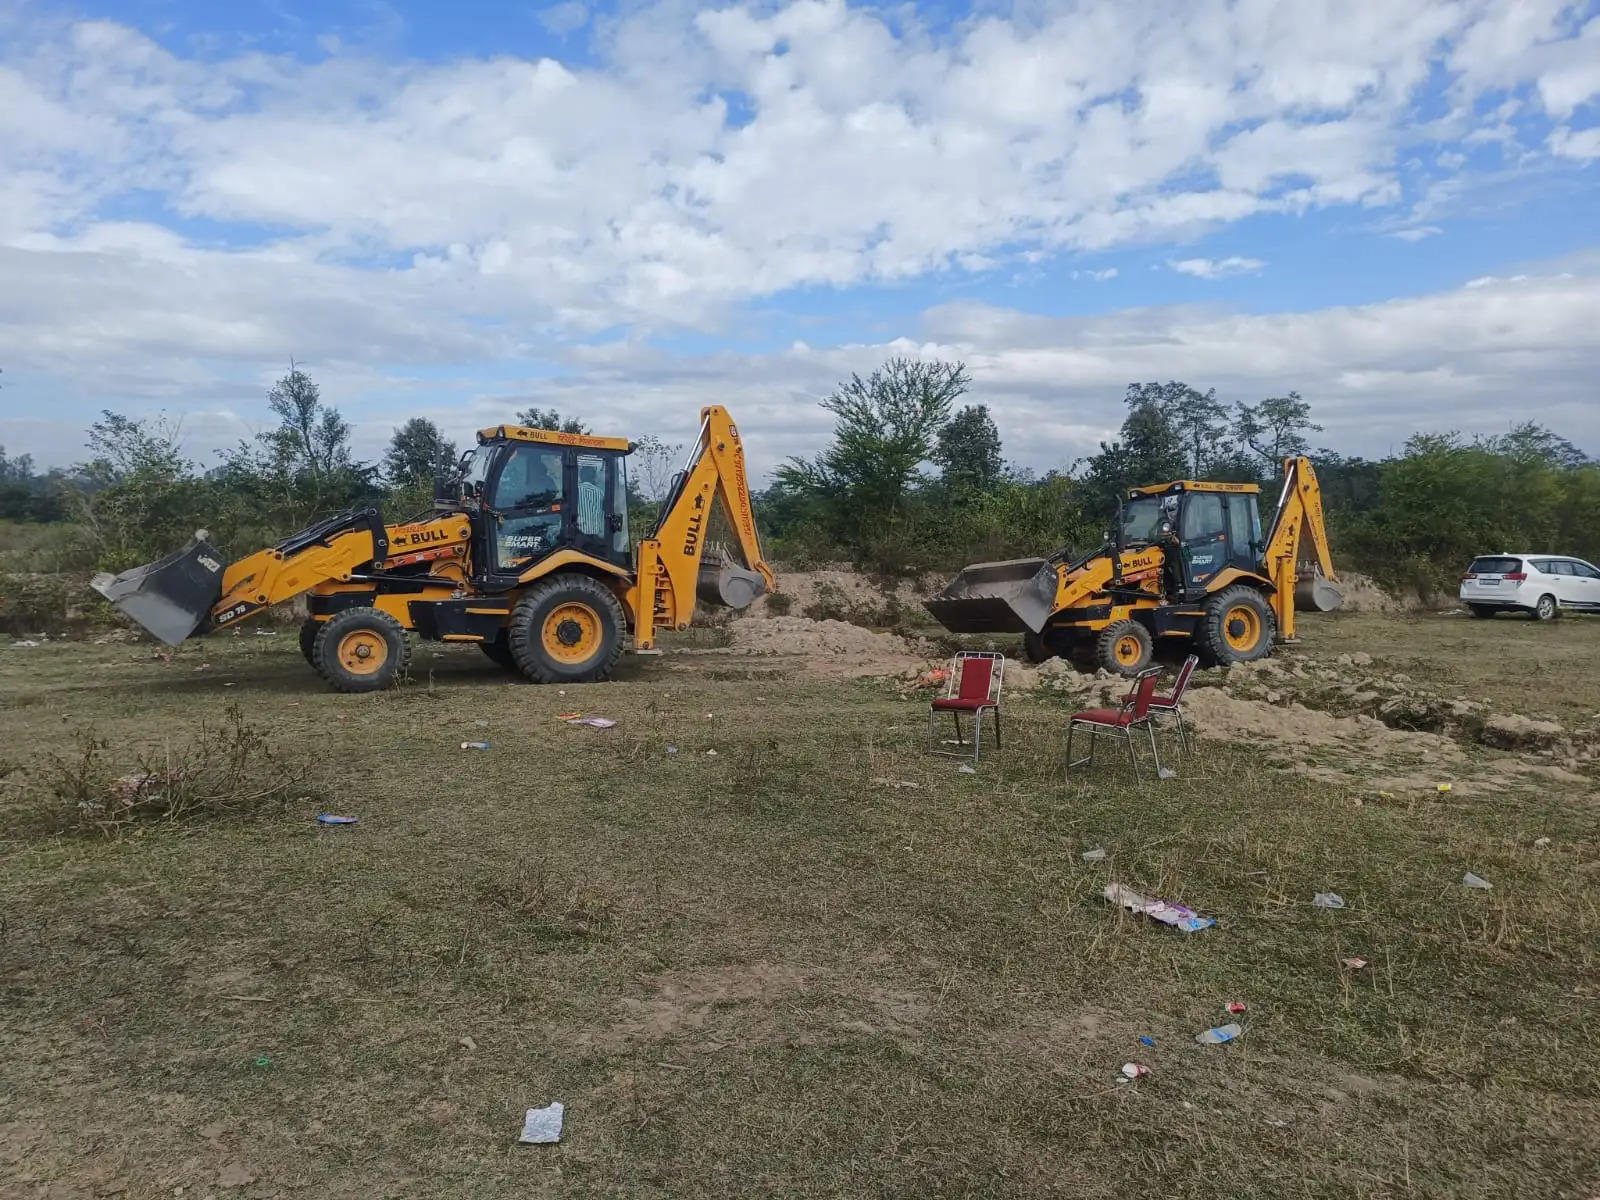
1584,571
1542,565
1557,566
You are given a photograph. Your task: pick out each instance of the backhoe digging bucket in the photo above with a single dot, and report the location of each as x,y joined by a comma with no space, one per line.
1313,593
1000,597
722,585
172,596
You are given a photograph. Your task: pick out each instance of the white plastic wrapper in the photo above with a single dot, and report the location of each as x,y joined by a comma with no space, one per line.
540,1126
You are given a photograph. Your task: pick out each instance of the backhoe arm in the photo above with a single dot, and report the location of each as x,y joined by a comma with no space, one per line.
670,559
1299,517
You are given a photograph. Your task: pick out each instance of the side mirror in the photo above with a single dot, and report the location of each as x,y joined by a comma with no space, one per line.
1166,529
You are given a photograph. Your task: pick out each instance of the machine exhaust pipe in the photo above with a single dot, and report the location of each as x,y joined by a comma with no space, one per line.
169,598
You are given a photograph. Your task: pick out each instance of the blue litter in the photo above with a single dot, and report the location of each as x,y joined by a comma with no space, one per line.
334,819
1147,1041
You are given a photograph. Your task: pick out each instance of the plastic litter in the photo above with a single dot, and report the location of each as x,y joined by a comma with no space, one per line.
1444,787
1094,855
897,784
1476,881
1328,900
1540,843
335,819
1147,1041
541,1126
671,748
571,716
968,770
24,644
1166,773
467,1043
1355,964
711,753
1185,920
474,745
266,633
1236,1006
1215,1037
594,722
1133,1070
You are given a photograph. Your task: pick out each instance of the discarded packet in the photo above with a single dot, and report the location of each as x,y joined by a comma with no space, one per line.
1215,1037
474,745
335,819
1094,855
1236,1006
1476,881
1131,1070
1185,920
1355,964
1328,900
541,1126
594,722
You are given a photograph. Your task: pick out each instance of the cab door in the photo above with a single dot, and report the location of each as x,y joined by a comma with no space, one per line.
527,506
1203,538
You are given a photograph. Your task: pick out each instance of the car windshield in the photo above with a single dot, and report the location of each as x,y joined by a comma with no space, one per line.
1141,519
1494,566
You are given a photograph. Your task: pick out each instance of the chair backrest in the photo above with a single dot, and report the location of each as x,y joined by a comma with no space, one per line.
1144,687
1182,683
978,675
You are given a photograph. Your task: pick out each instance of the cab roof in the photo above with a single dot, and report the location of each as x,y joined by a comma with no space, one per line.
523,433
1192,485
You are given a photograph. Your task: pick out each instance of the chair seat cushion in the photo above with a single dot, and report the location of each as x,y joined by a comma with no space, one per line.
956,704
1155,701
1104,716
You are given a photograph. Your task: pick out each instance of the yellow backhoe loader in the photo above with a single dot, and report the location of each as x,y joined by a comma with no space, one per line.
526,554
1188,562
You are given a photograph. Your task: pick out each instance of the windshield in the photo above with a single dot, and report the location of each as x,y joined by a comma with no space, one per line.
475,469
1141,519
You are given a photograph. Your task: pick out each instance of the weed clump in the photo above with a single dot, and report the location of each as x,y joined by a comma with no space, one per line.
230,770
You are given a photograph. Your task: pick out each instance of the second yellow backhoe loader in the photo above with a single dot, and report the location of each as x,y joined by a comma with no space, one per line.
527,554
1188,562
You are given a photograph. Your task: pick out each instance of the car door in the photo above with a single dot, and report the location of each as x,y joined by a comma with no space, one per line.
1560,580
1585,584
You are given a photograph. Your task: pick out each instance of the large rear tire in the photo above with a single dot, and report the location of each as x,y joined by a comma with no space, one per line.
362,650
567,629
1035,649
1238,626
1482,611
1124,648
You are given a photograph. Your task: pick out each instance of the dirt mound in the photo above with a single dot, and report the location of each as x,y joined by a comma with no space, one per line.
834,647
839,590
1362,594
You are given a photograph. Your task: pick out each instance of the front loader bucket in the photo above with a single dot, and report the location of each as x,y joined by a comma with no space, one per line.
1314,593
1000,597
171,596
723,585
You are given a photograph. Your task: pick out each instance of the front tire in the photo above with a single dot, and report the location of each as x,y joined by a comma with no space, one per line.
567,629
1547,609
1124,648
499,652
1238,626
308,640
1481,611
362,650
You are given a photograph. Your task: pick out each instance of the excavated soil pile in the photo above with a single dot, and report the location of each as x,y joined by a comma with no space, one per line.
1361,594
843,590
833,647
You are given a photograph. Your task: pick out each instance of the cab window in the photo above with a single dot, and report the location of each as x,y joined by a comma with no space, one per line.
1244,522
1202,517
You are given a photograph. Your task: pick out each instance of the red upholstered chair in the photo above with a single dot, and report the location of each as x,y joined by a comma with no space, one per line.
1172,702
974,687
1119,722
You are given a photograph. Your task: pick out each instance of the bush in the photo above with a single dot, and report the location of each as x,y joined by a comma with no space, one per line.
779,604
231,771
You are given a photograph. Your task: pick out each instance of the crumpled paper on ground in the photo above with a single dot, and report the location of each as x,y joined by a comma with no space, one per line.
1186,920
540,1126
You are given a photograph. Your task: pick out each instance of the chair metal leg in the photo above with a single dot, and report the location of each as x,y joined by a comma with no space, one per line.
955,719
933,744
1150,728
997,729
977,735
1183,732
1127,736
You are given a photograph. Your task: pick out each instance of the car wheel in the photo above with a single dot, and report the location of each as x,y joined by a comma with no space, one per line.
1546,609
1480,610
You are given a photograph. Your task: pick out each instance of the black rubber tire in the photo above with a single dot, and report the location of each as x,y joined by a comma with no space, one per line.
1035,649
396,663
1105,647
527,622
1212,640
308,640
499,652
1482,611
1546,609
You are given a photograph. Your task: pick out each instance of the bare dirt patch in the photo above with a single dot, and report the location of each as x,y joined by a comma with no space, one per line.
830,647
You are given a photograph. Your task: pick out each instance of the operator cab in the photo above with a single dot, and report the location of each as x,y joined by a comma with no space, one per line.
1214,526
533,492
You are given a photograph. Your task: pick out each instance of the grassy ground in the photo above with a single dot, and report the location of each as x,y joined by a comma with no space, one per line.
764,972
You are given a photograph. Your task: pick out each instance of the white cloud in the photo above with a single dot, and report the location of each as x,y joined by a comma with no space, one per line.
1581,143
1216,268
1096,276
562,19
1417,233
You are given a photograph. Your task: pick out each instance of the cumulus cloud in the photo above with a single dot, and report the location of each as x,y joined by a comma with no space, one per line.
1217,268
174,226
1096,276
1416,233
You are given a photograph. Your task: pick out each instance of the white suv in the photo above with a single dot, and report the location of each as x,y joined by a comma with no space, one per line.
1540,585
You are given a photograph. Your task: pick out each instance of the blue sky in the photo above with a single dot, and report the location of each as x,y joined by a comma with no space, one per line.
457,209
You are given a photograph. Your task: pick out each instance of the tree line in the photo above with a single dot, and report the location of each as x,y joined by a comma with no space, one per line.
912,478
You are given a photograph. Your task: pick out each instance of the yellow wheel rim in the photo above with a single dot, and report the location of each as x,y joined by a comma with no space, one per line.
571,632
1241,625
363,652
1128,650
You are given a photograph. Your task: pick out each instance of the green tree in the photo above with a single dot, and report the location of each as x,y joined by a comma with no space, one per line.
417,452
549,418
885,428
1276,428
968,451
1149,449
137,497
1198,418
